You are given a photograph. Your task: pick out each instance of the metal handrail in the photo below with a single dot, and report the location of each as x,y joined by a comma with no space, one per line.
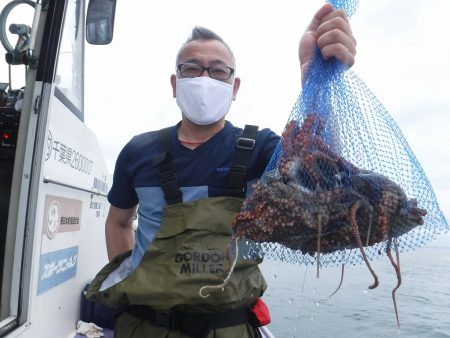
47,179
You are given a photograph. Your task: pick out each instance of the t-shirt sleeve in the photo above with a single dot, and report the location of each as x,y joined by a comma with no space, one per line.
270,141
122,193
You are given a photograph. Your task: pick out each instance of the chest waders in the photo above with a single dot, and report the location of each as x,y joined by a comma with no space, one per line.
160,298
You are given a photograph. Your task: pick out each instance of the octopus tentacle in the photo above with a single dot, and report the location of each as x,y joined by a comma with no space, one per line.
352,218
221,286
396,266
319,234
340,282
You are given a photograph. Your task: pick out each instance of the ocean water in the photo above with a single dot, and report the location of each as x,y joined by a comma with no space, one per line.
301,307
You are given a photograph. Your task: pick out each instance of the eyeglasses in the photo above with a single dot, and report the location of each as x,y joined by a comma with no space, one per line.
217,72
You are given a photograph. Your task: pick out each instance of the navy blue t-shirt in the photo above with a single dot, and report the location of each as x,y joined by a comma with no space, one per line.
201,172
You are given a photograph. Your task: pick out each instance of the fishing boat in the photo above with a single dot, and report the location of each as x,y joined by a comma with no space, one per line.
53,175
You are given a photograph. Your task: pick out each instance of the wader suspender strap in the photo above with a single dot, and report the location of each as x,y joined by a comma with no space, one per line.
166,167
237,178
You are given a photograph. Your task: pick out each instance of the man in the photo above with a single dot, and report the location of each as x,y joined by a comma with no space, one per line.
188,184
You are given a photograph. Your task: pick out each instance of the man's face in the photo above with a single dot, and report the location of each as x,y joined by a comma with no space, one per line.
207,53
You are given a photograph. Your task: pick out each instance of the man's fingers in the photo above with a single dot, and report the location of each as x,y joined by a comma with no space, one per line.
318,17
335,23
340,52
334,14
330,31
335,37
339,38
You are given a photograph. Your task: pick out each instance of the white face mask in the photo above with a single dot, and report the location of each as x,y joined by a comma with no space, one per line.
203,100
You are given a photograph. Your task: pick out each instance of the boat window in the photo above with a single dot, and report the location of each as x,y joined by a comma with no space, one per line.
69,72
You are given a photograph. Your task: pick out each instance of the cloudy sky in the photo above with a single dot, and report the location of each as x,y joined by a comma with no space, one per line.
403,49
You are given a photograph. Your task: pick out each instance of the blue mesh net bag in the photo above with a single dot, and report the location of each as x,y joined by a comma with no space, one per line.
342,177
343,186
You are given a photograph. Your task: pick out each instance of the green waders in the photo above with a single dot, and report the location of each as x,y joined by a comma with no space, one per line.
160,298
187,253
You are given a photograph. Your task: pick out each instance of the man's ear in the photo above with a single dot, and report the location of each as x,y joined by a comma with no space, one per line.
236,85
173,82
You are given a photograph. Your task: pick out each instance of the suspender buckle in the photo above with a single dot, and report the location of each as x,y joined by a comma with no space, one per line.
245,143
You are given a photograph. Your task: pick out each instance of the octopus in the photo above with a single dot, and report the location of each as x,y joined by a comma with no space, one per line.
318,202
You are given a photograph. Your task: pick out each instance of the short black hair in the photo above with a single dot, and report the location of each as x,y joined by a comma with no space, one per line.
202,33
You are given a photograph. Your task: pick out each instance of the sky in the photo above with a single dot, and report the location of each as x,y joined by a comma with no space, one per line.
402,56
